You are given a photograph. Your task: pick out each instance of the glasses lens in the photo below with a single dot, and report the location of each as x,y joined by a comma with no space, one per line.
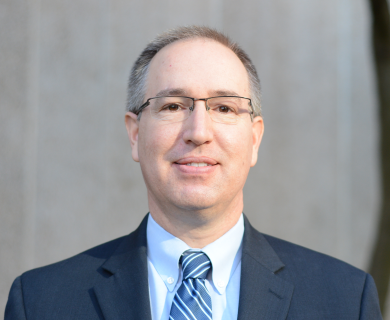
172,109
228,109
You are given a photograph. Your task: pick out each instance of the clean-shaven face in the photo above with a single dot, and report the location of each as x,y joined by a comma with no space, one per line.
196,164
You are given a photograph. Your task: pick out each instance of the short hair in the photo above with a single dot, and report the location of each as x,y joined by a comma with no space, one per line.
138,75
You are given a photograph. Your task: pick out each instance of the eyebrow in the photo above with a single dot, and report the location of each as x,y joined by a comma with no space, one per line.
172,92
223,93
183,92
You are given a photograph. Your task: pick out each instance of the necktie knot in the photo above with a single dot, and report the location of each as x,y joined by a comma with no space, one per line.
195,265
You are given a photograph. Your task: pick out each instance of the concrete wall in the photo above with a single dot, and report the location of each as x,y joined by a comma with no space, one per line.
67,180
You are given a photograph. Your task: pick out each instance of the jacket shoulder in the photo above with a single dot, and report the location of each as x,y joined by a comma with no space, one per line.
66,289
303,260
55,291
323,287
78,265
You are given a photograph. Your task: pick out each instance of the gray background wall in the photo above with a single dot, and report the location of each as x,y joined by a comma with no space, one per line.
67,180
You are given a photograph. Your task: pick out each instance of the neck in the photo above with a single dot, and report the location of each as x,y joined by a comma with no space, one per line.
197,228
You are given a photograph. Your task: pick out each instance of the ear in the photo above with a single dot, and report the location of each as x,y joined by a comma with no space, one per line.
132,127
257,134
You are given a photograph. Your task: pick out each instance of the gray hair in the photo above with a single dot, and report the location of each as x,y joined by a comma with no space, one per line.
137,82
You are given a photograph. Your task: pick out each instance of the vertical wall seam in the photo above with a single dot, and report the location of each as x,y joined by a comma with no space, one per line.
108,110
344,138
31,134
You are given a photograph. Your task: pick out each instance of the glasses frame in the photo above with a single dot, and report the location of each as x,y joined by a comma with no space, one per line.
193,102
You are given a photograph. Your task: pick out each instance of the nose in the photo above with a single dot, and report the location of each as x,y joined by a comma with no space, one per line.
198,128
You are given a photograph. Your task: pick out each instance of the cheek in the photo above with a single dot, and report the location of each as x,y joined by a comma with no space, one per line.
155,141
237,143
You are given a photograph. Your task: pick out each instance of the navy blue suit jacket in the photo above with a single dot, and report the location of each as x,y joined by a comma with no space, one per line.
279,280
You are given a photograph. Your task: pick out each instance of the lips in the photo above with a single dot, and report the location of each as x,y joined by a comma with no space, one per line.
197,161
196,166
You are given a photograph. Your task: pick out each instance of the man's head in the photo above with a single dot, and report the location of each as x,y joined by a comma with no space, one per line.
139,72
194,167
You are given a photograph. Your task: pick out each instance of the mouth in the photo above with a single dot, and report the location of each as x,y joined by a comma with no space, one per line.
192,163
198,164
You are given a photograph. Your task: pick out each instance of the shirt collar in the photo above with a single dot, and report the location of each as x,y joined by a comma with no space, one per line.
164,251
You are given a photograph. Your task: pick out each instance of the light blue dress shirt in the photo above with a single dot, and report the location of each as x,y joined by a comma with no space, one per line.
165,275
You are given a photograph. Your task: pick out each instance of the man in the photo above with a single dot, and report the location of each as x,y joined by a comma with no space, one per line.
195,126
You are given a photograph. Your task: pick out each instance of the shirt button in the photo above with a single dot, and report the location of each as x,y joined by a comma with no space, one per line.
221,283
170,280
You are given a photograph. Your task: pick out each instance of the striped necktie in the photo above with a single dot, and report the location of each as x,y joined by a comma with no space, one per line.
192,300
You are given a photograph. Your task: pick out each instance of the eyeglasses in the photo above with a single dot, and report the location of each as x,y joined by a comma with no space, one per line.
222,109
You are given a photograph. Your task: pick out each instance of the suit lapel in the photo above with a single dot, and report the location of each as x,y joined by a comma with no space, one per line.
263,294
124,292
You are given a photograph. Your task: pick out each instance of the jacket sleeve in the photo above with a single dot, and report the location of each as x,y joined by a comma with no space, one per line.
15,305
369,306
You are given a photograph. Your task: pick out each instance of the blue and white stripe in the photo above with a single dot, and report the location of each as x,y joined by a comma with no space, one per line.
192,300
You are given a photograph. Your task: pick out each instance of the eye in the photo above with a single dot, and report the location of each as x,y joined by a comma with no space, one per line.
224,109
172,107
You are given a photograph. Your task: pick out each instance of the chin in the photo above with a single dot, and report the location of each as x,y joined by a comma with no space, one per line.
194,202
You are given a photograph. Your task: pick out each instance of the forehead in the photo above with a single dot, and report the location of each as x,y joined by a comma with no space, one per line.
197,67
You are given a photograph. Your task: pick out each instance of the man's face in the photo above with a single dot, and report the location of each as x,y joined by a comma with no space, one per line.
197,68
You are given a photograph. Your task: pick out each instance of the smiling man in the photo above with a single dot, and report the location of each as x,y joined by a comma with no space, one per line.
195,126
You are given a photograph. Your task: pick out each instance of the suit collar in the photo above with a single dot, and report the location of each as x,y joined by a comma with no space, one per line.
124,290
256,246
263,294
